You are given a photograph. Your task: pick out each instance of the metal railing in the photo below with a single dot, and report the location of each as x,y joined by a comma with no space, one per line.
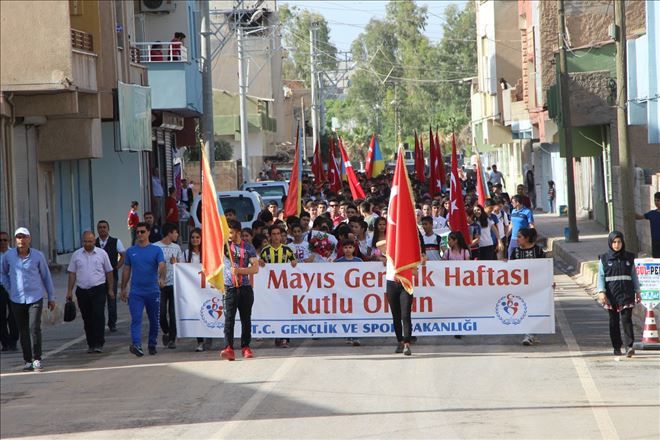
160,52
82,40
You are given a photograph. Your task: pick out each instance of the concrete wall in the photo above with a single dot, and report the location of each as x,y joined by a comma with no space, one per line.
116,182
37,55
161,27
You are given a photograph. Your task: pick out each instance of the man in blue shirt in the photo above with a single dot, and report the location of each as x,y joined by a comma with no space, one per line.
654,218
521,217
145,268
25,272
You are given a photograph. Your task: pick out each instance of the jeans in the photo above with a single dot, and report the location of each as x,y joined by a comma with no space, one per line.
488,253
28,320
241,299
512,245
626,323
167,308
112,303
401,307
91,303
551,205
8,327
137,302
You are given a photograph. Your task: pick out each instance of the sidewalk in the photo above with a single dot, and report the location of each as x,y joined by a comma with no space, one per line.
581,258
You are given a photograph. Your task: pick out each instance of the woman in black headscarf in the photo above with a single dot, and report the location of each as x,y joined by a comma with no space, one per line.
618,290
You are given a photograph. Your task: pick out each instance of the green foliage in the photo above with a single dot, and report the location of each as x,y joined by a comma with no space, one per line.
398,68
296,25
223,151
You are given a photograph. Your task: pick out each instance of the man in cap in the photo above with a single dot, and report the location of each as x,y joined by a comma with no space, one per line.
27,276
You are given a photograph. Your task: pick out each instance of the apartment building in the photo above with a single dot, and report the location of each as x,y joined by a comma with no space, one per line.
64,161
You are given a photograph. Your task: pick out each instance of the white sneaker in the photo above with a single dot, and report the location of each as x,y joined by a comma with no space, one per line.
528,340
200,347
27,366
37,365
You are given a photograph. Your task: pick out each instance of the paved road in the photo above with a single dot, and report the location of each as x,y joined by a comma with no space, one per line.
569,386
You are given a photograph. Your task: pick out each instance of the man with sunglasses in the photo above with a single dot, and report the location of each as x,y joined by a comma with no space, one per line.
145,268
26,273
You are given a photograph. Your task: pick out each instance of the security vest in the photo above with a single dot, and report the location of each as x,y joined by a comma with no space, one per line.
619,287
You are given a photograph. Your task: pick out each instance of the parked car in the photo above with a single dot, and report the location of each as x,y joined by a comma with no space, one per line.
268,190
247,205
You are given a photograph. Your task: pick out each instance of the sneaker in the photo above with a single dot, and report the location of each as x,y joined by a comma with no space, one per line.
406,350
527,341
172,344
27,366
356,343
98,350
136,350
112,329
200,347
247,353
165,339
285,343
90,349
228,354
630,352
399,348
617,352
152,350
36,365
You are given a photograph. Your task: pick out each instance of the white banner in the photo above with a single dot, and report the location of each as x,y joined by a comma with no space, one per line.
348,300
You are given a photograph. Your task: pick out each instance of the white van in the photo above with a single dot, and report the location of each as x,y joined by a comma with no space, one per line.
247,205
268,190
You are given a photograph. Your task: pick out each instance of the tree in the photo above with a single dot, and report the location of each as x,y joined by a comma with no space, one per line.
296,24
398,68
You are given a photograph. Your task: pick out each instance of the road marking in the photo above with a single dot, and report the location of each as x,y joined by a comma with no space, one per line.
83,370
59,349
244,413
601,414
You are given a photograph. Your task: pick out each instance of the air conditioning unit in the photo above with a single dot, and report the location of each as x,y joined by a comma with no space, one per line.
157,6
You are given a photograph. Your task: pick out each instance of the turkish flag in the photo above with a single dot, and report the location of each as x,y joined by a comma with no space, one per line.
356,189
441,157
457,216
317,166
403,249
435,185
481,188
370,155
334,179
419,160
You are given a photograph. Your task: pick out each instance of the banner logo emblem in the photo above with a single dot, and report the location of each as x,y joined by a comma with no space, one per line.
211,313
511,309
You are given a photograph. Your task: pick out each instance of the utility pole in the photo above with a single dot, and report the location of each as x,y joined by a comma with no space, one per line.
626,183
312,60
207,87
242,88
302,124
566,127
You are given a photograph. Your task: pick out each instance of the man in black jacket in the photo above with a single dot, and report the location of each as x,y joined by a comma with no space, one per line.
116,252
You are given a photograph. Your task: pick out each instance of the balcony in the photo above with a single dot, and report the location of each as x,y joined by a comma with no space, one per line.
513,107
174,78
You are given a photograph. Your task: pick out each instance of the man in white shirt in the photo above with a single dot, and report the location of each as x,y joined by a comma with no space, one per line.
173,254
90,272
496,177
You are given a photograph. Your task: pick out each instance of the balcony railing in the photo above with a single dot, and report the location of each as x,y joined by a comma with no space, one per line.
82,40
159,52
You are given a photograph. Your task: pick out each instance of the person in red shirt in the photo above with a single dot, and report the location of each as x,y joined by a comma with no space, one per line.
133,219
156,52
175,46
171,207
